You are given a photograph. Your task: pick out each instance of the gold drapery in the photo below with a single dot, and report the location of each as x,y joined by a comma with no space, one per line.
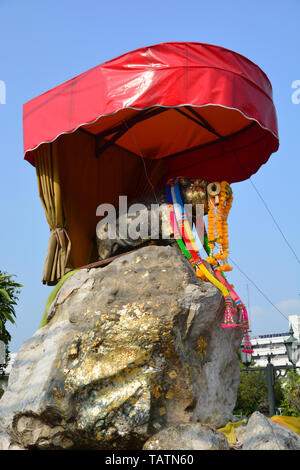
72,182
57,261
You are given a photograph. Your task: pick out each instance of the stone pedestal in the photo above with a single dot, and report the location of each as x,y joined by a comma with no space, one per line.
129,349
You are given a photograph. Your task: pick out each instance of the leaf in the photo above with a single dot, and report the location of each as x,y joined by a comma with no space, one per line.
4,294
9,317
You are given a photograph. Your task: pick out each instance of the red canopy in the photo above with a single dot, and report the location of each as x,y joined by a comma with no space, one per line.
126,126
205,109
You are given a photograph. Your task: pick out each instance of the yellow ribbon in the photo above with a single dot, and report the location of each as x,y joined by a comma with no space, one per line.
202,268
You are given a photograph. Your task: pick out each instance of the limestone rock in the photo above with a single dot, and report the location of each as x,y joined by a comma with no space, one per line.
240,433
5,442
75,281
129,349
261,433
189,436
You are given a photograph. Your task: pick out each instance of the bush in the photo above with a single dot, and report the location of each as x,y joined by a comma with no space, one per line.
290,404
253,394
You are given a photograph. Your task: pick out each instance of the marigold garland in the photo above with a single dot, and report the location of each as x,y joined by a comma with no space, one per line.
217,230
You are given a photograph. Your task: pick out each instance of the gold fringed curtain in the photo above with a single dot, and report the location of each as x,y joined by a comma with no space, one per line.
57,261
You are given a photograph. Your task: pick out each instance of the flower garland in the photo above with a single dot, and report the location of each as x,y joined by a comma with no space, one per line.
179,223
217,230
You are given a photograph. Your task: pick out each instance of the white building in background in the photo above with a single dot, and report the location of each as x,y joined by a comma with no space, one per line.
264,345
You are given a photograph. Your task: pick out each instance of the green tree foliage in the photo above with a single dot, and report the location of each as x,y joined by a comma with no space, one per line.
290,405
253,393
9,295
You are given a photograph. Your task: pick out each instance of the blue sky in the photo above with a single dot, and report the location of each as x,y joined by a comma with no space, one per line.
43,44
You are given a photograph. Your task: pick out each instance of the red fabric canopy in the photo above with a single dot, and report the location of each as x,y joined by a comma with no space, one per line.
205,109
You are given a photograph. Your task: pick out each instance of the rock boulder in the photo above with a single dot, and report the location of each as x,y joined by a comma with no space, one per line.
261,433
188,436
129,349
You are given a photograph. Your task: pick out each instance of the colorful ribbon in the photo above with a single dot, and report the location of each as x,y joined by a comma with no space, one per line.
191,246
186,241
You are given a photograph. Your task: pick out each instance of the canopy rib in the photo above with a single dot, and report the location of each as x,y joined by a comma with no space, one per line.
120,130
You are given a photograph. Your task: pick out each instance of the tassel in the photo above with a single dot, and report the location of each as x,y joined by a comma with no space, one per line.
242,320
247,343
228,315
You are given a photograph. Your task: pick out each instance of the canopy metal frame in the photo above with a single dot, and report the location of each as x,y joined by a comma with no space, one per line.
118,131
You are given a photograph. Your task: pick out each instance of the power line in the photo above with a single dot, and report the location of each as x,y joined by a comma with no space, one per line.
241,165
262,293
275,221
